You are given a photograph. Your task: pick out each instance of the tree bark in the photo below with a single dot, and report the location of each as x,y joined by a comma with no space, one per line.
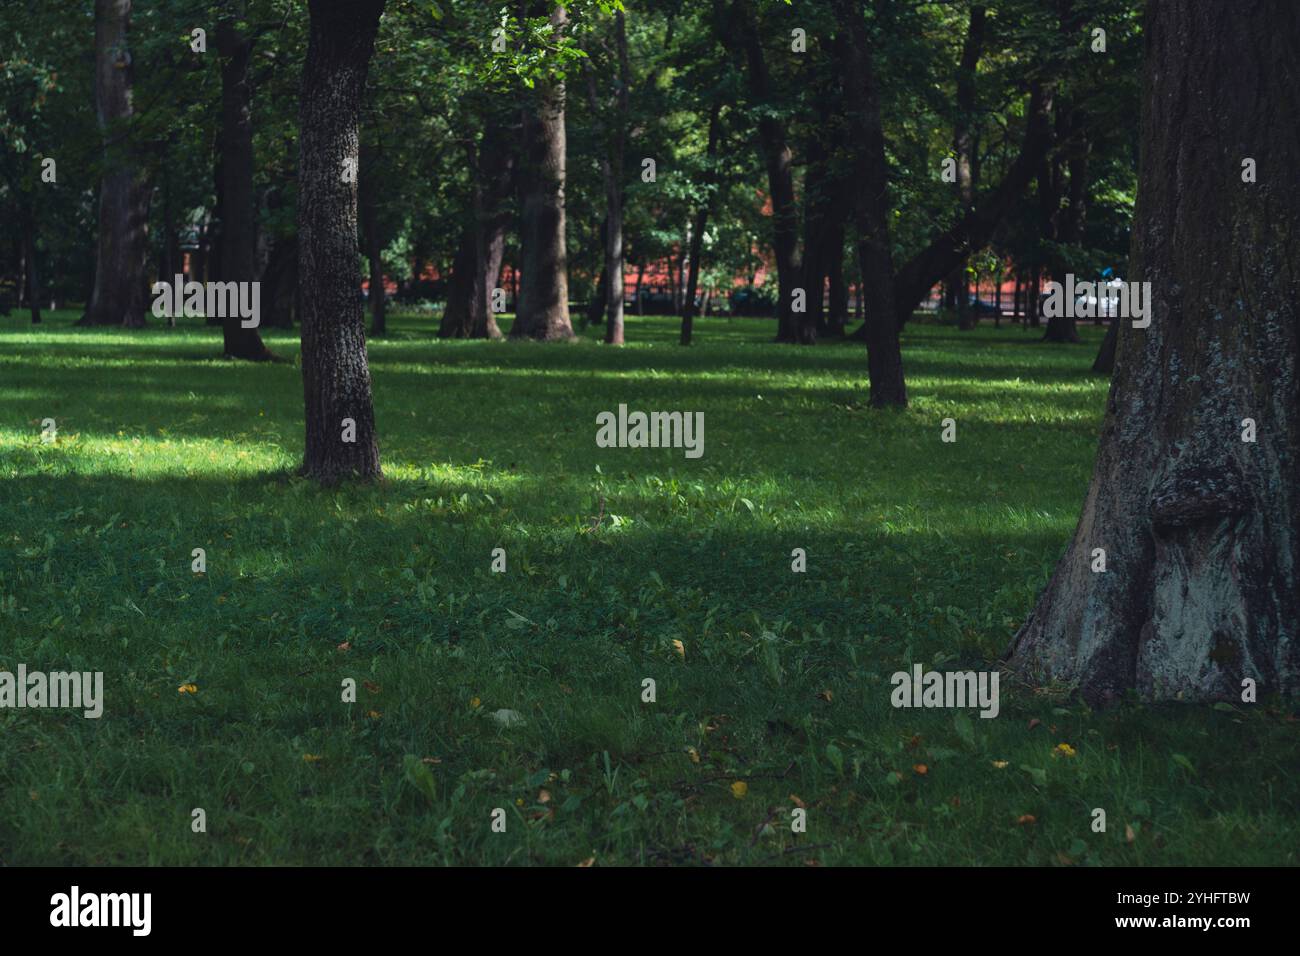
543,310
871,176
1201,529
121,261
335,369
239,224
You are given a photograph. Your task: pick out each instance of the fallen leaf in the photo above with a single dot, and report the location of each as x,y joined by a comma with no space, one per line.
693,754
1034,723
344,647
826,695
589,861
543,796
1027,820
311,758
920,769
739,789
1000,764
680,648
187,689
797,802
370,686
1129,835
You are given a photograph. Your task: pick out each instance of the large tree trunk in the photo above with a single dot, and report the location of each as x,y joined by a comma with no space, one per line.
543,309
121,258
871,175
1200,528
335,370
777,157
239,225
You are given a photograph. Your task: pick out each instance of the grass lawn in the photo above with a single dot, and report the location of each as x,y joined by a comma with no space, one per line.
778,694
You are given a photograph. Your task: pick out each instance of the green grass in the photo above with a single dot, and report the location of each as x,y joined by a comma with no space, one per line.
918,551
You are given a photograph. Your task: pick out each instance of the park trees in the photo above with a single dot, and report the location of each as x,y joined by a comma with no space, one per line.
1193,505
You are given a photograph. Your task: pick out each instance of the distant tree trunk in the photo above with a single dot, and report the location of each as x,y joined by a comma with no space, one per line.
370,176
964,148
239,224
871,176
614,194
1060,223
280,284
596,307
335,369
743,32
121,262
32,283
838,317
701,223
543,311
640,275
1200,526
462,287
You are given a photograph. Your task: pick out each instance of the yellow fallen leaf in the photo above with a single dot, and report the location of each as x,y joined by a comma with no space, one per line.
475,703
693,754
587,862
310,758
680,648
1000,764
1063,750
187,689
826,695
739,789
920,769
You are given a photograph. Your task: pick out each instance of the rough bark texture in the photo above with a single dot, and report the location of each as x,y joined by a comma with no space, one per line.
543,310
1201,529
239,225
335,370
119,295
871,173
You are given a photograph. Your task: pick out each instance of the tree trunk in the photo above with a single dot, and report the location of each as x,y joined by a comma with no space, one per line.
121,260
335,370
1201,528
32,283
370,176
964,149
543,311
614,194
700,224
239,225
871,173
779,161
463,286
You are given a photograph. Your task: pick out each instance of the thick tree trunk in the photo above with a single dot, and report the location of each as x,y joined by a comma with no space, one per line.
340,421
463,286
121,261
1201,529
239,225
543,311
871,173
